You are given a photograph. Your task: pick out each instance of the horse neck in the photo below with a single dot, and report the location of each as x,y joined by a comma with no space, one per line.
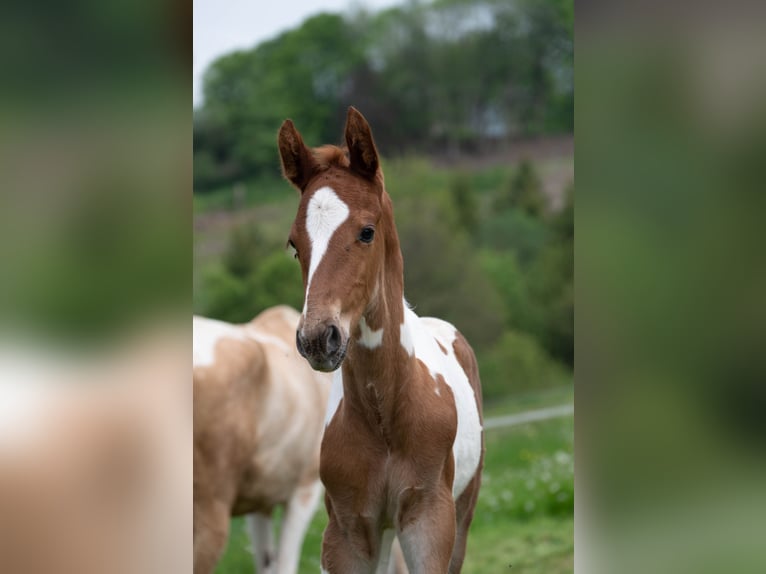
372,376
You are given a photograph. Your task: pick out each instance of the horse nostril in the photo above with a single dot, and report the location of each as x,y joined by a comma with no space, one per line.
332,339
299,344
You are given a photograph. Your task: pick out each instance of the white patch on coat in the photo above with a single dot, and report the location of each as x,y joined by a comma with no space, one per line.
336,395
325,213
423,335
405,337
370,339
26,403
206,333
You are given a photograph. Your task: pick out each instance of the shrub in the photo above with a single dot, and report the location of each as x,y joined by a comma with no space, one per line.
513,230
465,202
517,363
276,281
224,296
443,279
525,192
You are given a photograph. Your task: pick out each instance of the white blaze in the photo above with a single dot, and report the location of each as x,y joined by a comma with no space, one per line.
326,212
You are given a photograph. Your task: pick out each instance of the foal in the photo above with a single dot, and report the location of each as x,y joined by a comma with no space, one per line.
403,445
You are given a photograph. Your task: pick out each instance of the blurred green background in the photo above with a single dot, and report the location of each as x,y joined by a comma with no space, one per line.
472,107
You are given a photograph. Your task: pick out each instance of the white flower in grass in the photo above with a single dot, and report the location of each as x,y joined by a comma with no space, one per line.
554,488
546,476
562,457
531,484
529,506
506,495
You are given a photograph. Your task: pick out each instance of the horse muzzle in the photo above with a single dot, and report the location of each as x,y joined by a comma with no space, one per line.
323,346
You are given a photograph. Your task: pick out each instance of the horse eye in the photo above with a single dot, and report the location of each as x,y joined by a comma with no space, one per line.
292,246
367,234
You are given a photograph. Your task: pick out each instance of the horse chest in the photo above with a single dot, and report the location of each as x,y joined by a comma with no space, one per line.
366,461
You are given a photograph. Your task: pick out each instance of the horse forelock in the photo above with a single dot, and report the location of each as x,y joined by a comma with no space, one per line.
328,156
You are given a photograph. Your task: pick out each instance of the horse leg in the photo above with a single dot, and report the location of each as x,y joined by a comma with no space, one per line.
397,565
211,531
385,554
262,540
464,507
300,510
426,530
355,551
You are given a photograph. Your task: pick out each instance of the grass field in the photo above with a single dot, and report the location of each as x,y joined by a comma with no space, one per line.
524,519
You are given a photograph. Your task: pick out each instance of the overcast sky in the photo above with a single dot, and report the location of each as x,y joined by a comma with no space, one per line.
221,26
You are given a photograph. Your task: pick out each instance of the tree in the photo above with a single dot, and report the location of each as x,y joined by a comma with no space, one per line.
524,192
466,205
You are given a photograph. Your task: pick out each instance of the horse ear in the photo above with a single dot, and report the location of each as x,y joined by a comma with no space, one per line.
361,147
298,165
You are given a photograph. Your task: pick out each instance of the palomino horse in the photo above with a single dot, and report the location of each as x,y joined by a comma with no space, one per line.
258,421
403,446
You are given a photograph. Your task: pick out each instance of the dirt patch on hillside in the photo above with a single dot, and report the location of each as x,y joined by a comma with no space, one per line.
510,153
553,158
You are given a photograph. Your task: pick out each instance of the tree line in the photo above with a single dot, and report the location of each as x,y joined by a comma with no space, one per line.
445,77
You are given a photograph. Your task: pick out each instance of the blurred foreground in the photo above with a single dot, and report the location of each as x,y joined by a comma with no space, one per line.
671,138
95,402
96,459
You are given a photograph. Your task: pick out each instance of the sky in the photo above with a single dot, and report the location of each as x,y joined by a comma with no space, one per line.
222,26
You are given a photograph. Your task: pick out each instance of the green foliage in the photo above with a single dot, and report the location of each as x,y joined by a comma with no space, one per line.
466,203
524,192
505,273
225,297
550,281
276,281
530,260
449,76
441,277
245,249
517,363
254,277
514,230
300,74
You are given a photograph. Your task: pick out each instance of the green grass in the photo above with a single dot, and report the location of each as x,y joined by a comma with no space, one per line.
524,517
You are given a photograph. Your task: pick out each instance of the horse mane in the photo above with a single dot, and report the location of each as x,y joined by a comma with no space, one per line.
328,156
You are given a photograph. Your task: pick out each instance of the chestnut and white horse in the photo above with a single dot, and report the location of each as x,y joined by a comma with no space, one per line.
403,446
258,422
